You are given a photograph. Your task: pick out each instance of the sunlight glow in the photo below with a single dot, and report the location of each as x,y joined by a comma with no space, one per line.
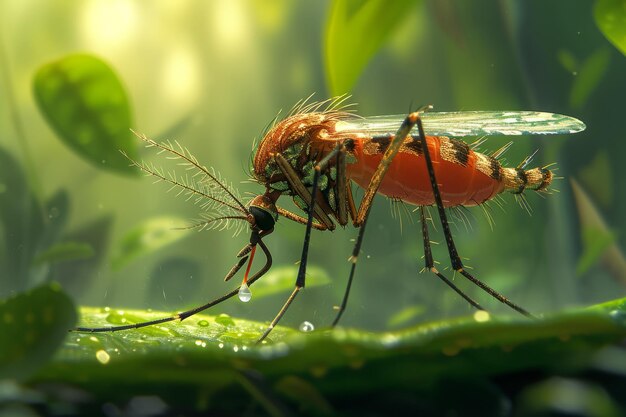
230,22
180,76
108,23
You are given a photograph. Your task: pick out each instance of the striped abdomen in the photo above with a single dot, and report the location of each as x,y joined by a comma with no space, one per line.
465,177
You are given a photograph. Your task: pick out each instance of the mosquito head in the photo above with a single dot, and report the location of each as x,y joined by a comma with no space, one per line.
263,212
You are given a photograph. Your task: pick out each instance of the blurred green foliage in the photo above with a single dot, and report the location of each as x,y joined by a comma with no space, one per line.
33,326
355,31
84,101
215,73
610,17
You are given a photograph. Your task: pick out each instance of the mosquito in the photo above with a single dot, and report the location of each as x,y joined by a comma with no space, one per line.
316,153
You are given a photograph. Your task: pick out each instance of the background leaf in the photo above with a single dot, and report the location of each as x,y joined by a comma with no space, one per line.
589,76
33,325
85,103
610,17
65,251
355,31
150,235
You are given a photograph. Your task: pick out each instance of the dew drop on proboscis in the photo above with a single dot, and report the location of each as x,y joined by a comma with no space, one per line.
244,293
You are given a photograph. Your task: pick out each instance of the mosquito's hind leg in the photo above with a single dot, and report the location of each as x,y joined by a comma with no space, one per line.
429,263
455,259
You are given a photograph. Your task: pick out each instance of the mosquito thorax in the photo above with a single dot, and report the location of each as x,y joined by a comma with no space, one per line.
263,211
293,138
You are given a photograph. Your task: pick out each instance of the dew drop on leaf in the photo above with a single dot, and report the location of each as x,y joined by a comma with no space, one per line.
306,326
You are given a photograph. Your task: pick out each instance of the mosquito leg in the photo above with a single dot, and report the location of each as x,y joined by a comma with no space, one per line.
366,202
188,313
301,278
383,166
299,219
296,184
353,260
430,264
342,203
351,206
455,259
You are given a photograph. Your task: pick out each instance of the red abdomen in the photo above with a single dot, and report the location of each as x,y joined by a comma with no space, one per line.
465,177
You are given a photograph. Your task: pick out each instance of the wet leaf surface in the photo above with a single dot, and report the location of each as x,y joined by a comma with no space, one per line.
209,350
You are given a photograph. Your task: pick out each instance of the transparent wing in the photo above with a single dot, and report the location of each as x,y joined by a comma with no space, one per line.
472,123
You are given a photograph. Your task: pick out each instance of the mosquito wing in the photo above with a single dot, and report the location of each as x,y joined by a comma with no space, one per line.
472,123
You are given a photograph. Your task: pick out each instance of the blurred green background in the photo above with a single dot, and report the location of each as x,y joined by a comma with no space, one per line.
213,74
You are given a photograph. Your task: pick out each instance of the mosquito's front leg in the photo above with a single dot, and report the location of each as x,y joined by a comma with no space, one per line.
383,166
301,278
366,202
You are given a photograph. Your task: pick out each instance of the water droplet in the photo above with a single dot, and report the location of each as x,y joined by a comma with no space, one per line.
203,323
306,326
618,315
224,320
103,357
244,293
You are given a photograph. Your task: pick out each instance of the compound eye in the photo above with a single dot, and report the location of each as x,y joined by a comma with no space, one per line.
263,219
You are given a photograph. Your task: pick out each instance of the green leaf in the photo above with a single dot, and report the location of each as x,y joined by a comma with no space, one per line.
283,278
65,251
85,103
201,351
149,236
33,325
355,31
610,17
591,73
